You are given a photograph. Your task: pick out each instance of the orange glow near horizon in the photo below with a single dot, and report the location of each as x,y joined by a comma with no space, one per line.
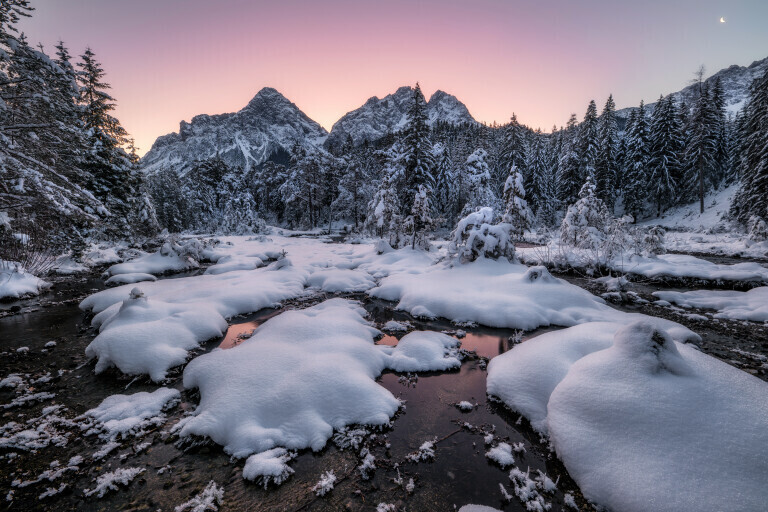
169,61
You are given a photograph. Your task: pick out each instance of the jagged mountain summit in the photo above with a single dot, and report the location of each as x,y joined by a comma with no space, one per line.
380,116
734,79
269,125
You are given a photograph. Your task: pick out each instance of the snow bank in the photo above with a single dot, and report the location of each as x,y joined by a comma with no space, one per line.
341,280
681,265
15,282
170,258
300,376
670,427
422,351
232,262
496,294
122,415
130,278
751,305
148,336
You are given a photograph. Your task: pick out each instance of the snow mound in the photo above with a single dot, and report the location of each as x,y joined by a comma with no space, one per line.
501,455
15,282
341,280
478,508
146,336
751,305
269,466
639,412
395,326
422,351
524,380
168,259
122,415
300,376
132,278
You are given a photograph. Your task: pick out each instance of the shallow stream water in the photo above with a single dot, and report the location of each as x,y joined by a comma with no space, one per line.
459,474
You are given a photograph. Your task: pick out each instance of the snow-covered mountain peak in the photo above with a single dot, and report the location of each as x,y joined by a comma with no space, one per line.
380,116
268,124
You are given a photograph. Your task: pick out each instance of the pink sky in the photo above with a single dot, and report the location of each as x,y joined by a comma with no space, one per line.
168,60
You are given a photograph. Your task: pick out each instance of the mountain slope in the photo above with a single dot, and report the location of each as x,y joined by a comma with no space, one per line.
734,79
377,117
269,124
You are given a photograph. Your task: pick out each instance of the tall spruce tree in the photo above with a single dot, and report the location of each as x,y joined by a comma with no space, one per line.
751,200
568,179
606,164
701,150
664,159
588,142
636,161
416,157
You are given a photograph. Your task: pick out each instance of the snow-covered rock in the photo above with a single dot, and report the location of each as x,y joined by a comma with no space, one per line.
631,409
421,351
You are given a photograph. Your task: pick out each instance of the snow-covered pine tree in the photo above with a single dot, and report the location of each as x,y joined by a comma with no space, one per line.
636,162
536,163
720,129
416,150
588,141
586,220
444,183
568,180
513,148
517,213
606,163
664,159
420,222
751,200
481,188
476,236
701,150
383,218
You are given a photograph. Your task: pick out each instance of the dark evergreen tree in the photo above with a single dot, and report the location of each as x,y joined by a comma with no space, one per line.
416,157
636,161
751,200
568,180
606,163
701,150
588,142
664,159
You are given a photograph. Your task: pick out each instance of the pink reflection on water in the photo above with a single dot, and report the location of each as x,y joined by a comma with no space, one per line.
237,333
485,345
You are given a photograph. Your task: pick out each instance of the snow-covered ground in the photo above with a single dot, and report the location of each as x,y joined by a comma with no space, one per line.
627,408
308,373
688,230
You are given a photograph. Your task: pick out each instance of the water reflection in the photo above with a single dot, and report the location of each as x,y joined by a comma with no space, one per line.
242,330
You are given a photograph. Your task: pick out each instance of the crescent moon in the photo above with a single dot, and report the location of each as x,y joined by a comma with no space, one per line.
722,20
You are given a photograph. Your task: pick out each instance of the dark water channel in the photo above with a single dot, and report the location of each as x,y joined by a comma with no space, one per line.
460,473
